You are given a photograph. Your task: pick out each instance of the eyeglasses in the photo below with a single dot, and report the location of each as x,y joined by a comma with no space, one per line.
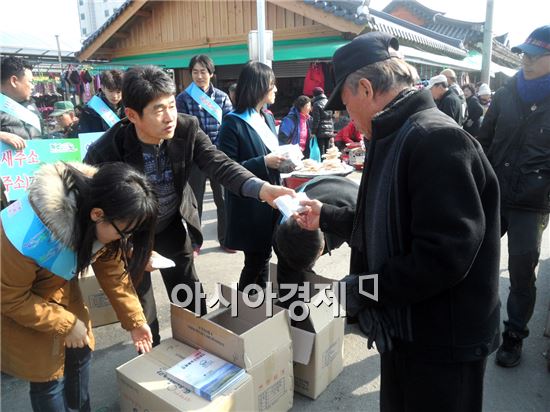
124,243
124,236
533,57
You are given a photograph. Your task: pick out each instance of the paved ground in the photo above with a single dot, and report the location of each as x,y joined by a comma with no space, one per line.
525,388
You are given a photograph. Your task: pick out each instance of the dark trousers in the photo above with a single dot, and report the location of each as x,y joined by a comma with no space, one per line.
256,269
323,144
524,230
197,181
69,393
174,244
409,384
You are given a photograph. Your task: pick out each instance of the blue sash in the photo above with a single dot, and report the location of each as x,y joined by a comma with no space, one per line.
11,107
255,120
34,240
103,110
205,101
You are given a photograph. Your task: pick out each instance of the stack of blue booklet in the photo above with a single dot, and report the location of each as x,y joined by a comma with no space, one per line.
206,374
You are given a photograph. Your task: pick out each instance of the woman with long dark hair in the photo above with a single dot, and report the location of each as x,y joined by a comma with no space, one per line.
73,216
475,110
248,136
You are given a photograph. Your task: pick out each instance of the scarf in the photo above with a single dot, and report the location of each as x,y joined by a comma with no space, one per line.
377,233
533,91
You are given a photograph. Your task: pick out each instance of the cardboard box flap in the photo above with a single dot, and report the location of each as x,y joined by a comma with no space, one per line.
269,325
302,345
201,333
142,382
244,340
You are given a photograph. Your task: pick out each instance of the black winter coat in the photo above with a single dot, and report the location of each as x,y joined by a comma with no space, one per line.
91,121
516,138
249,223
443,220
451,105
189,145
12,124
322,124
475,111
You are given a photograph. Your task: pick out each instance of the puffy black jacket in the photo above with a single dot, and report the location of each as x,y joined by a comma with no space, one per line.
516,138
322,126
11,124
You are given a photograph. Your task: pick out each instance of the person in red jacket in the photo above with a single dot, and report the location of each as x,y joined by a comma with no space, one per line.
347,134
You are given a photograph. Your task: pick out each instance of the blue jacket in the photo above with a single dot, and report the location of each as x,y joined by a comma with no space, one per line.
289,130
209,125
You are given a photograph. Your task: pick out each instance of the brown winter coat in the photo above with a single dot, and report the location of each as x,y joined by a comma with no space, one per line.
39,308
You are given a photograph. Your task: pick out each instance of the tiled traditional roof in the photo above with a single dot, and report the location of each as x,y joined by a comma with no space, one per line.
107,23
406,32
414,6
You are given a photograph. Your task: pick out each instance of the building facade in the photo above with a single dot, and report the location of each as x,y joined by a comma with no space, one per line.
93,13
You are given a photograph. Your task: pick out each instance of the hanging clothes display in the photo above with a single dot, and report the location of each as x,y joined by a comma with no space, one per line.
314,78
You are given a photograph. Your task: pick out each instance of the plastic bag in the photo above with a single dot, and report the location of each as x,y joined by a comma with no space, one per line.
314,152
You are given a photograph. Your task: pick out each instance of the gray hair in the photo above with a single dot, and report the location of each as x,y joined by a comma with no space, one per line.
385,75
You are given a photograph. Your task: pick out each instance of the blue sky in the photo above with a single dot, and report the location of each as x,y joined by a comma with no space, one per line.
43,19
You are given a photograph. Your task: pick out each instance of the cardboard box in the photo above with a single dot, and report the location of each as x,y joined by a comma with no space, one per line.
318,341
101,311
144,387
261,344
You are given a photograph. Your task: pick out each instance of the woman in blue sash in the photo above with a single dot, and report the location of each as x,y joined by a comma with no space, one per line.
248,136
73,216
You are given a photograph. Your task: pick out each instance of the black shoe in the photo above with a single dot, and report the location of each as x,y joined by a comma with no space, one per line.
509,353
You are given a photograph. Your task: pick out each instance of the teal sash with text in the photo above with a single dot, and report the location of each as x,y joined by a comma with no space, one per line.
103,110
33,239
11,107
205,101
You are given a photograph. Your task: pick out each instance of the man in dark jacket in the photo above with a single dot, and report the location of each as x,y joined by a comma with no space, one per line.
322,125
105,108
208,104
424,236
16,85
516,137
446,100
164,145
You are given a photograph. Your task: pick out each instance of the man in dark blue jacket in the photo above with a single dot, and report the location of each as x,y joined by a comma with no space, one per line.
200,100
424,237
516,137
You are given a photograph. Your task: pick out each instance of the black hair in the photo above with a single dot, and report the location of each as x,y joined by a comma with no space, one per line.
13,66
143,84
470,87
255,81
298,248
204,60
123,194
111,79
300,102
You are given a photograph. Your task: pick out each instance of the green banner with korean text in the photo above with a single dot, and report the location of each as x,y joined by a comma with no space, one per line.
17,167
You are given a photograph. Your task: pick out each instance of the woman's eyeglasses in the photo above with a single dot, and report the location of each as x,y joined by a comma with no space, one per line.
124,236
124,242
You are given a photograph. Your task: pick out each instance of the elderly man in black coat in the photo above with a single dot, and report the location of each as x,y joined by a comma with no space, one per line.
425,235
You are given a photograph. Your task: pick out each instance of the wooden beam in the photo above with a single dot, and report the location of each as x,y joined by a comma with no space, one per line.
120,35
320,16
115,26
143,13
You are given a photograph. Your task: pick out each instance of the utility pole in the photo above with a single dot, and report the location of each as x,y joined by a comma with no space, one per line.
487,44
60,64
260,17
